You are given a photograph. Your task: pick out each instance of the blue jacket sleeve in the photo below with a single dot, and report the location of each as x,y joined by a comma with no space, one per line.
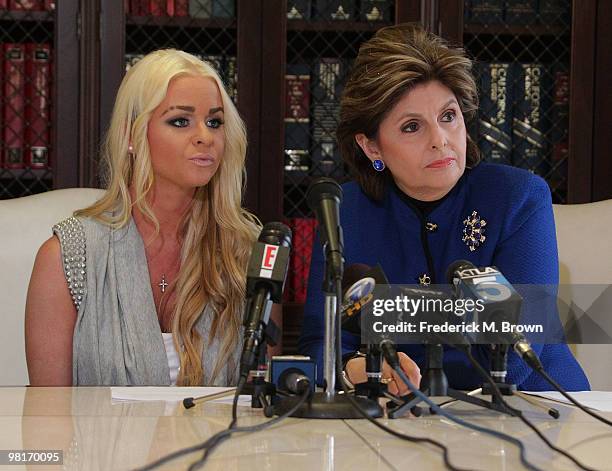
528,254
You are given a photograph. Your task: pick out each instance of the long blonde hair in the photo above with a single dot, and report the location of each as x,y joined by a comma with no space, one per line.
217,233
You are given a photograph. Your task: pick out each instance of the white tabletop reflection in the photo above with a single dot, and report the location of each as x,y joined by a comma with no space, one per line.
97,434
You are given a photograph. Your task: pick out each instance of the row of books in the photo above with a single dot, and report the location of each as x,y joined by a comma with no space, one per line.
312,108
225,66
25,105
31,5
524,114
303,230
517,12
364,10
523,119
351,10
192,8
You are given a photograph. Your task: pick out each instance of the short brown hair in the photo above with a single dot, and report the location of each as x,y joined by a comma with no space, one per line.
388,65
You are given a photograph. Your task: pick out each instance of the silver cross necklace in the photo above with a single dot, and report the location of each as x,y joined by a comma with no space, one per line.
163,284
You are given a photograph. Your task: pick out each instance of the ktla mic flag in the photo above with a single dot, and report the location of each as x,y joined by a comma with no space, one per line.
543,314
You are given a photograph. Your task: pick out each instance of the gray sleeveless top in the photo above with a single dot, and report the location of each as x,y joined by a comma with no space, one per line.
117,338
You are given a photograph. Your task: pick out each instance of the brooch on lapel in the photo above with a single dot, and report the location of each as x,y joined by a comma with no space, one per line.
473,232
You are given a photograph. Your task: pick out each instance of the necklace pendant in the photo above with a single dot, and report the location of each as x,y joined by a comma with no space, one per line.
163,284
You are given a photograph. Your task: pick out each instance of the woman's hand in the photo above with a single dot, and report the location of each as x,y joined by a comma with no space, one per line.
356,373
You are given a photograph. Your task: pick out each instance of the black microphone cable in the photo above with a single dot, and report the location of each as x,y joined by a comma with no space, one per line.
214,441
409,438
565,394
219,437
524,350
519,413
185,451
503,436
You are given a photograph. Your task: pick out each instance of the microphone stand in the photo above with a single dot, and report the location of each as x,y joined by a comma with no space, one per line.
435,383
259,388
328,404
373,388
499,364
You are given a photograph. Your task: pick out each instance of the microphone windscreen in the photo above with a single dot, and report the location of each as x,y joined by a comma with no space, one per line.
322,188
457,266
352,274
275,233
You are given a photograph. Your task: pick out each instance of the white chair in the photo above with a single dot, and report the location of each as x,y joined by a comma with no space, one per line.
26,223
584,236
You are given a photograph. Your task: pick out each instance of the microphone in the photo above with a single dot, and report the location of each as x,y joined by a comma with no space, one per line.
324,196
500,299
294,381
358,285
266,274
360,293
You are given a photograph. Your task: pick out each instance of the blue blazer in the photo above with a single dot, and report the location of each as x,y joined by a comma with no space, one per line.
520,241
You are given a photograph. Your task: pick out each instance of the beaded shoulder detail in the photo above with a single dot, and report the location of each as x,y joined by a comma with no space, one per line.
72,239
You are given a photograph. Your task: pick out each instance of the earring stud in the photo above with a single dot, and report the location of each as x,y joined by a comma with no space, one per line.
378,165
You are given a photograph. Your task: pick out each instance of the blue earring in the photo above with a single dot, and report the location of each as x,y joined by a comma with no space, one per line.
378,165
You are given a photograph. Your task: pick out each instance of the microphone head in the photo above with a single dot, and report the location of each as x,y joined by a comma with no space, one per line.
275,233
323,188
352,274
455,267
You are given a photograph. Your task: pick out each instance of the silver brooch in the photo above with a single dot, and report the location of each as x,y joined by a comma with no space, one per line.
473,232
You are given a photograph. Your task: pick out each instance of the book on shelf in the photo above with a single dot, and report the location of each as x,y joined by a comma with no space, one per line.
177,8
13,109
326,87
554,12
212,8
485,11
298,9
297,118
157,7
529,123
200,8
303,230
230,77
376,10
181,8
139,7
333,10
31,5
37,108
495,112
224,8
559,118
521,12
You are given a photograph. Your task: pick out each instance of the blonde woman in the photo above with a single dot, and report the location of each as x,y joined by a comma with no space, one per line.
146,286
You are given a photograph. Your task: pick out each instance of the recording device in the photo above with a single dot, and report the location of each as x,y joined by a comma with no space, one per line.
503,302
358,285
293,374
490,287
266,276
324,196
356,296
